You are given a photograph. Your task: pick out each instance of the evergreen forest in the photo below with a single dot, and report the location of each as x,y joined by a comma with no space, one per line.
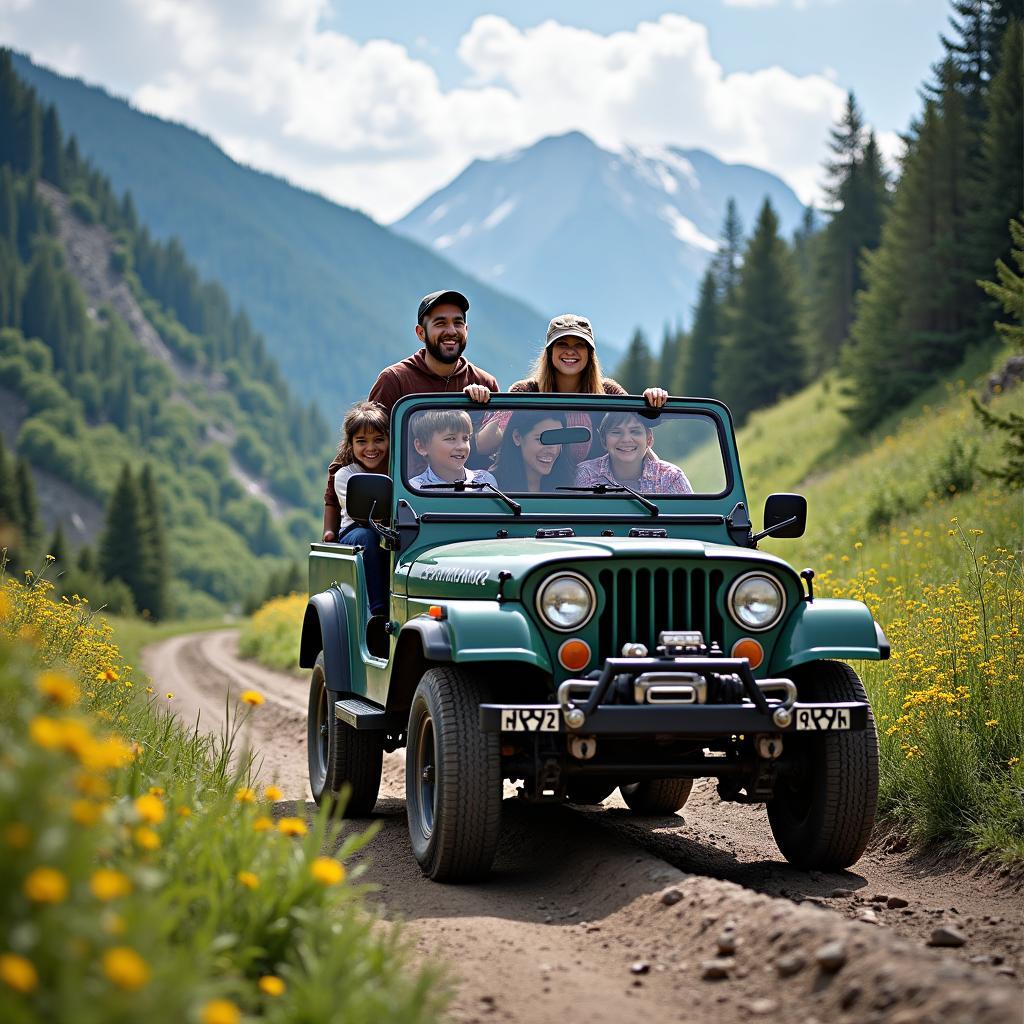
129,385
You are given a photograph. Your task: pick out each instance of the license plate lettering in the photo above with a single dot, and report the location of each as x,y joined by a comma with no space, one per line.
529,720
822,719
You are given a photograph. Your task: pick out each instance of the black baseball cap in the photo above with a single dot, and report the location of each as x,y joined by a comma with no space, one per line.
428,302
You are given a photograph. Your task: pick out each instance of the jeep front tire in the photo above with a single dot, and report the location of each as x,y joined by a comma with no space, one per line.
452,778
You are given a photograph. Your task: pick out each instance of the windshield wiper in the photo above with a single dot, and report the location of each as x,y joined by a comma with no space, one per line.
476,485
613,488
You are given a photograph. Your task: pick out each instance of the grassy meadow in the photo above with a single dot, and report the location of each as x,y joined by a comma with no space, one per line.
143,876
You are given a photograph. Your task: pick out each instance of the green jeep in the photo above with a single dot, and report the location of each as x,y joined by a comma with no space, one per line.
579,622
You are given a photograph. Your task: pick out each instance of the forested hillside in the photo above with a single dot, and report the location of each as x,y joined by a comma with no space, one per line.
123,373
333,293
884,286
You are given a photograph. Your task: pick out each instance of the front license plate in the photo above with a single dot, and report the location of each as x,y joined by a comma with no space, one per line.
529,720
822,718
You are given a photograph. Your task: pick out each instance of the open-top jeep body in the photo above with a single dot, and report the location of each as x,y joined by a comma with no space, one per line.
578,640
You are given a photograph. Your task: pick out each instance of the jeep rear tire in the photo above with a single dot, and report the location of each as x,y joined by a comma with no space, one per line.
452,778
822,815
657,796
340,756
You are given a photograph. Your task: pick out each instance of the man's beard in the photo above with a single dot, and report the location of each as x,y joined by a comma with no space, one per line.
434,348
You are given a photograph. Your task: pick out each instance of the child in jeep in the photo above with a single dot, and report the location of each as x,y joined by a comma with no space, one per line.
442,437
627,440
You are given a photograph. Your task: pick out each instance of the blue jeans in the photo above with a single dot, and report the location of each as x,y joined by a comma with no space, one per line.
375,565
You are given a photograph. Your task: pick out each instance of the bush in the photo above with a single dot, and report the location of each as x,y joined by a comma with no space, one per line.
83,207
885,506
142,876
954,472
271,636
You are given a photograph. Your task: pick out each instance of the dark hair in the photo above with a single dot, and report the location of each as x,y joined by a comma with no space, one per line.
611,420
362,416
508,466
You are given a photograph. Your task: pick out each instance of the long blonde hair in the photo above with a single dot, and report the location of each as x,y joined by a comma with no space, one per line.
543,373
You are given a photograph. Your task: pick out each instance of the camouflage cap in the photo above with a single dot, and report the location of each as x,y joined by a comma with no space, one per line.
570,325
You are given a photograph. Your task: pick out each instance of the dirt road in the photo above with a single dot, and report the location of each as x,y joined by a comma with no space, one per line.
597,915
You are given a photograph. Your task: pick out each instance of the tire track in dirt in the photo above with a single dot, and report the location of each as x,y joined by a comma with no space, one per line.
601,916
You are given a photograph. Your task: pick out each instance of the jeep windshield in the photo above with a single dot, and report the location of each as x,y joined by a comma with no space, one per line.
563,448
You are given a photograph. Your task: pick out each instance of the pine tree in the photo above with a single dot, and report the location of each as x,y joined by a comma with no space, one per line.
1008,289
856,190
42,306
696,370
999,190
914,316
10,506
120,542
86,560
52,168
636,371
727,261
28,506
8,208
761,360
151,596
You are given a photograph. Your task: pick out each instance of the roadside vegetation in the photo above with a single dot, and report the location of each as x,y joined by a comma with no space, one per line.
143,875
271,635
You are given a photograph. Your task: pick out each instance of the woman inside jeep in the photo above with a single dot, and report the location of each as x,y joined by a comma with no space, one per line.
524,461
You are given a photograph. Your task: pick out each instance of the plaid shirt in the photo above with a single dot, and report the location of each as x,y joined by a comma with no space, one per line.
657,477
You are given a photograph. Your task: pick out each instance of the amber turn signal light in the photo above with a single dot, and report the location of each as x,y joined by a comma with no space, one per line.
435,611
574,655
750,649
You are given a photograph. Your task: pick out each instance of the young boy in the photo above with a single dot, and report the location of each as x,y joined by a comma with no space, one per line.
627,439
442,437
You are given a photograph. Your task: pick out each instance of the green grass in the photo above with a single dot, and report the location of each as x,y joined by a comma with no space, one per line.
132,635
906,520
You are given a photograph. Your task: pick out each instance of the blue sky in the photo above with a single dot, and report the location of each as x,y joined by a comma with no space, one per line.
379,105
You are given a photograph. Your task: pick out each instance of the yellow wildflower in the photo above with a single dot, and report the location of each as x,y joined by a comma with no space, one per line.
252,697
220,1011
292,827
5,606
249,879
150,809
992,723
18,973
327,871
184,812
91,785
108,884
146,838
245,795
156,790
46,885
273,793
125,968
57,687
1013,761
85,812
271,985
262,824
45,732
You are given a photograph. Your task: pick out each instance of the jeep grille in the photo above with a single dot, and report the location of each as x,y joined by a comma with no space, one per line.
640,603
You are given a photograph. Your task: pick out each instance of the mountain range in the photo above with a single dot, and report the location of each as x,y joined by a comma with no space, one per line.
623,237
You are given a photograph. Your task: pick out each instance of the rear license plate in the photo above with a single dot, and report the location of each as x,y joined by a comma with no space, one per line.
529,720
822,718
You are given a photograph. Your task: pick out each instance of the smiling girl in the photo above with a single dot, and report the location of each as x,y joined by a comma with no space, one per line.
568,365
627,440
363,449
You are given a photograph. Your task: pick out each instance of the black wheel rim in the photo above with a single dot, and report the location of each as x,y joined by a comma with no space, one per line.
424,781
322,728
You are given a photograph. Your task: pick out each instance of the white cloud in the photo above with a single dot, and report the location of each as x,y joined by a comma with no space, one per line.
370,124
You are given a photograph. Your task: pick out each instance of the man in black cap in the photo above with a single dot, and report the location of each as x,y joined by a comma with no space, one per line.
437,367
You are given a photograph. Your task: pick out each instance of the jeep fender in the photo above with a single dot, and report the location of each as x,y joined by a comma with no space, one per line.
325,627
828,628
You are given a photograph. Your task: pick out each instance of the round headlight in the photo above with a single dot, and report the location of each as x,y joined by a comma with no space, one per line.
566,601
756,601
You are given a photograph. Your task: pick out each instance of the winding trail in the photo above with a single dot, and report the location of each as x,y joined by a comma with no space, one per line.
600,916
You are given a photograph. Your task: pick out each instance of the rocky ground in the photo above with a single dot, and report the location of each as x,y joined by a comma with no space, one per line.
597,915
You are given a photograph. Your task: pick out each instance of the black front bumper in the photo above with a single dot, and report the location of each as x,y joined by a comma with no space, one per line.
750,711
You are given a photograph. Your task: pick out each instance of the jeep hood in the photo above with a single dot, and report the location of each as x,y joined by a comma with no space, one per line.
470,569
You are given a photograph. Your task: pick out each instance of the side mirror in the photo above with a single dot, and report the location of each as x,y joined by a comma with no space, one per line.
565,435
368,494
777,509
